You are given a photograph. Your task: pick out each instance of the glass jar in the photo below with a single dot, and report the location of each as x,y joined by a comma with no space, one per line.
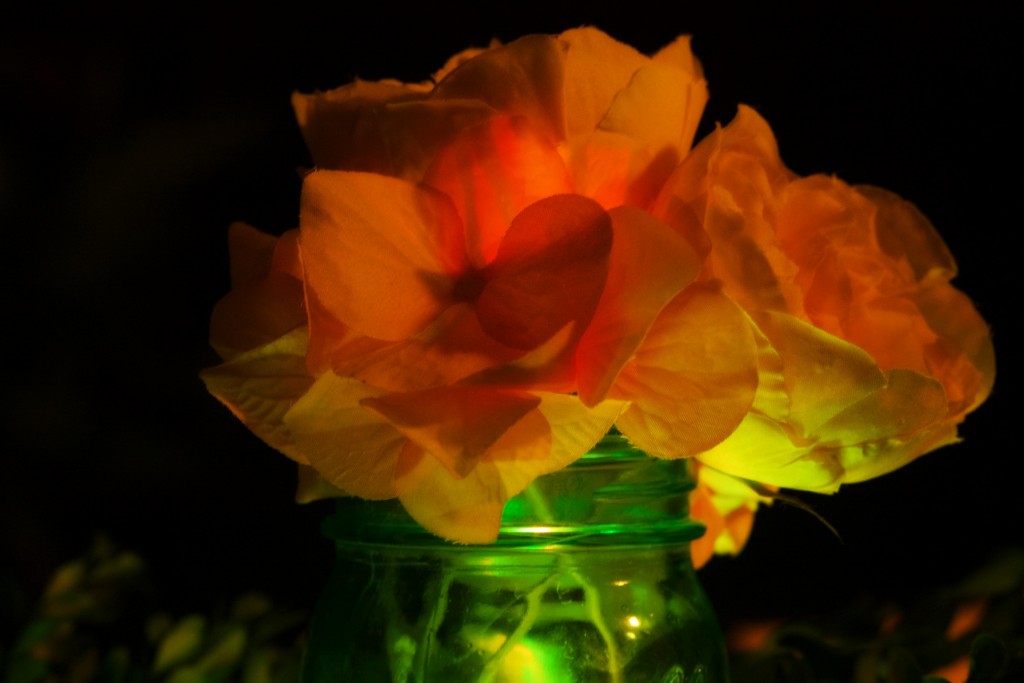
589,581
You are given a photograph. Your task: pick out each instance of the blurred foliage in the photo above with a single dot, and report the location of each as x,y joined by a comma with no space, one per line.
971,632
95,622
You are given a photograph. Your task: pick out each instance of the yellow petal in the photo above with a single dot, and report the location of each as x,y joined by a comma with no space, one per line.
378,253
575,427
907,403
261,385
468,509
761,450
650,264
465,510
693,378
873,459
312,487
353,448
823,375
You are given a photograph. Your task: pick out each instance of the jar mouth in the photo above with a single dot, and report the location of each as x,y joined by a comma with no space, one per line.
614,496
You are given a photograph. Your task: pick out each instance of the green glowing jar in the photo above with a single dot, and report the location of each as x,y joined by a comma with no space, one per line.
590,581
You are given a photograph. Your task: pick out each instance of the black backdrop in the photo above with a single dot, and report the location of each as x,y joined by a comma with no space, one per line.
130,141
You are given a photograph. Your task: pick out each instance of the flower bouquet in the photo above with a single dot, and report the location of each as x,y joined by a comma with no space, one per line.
496,268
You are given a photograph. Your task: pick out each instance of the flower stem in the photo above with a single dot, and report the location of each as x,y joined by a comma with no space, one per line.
593,601
533,599
592,595
434,621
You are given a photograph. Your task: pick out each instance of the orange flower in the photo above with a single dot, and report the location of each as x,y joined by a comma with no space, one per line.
493,268
482,293
868,357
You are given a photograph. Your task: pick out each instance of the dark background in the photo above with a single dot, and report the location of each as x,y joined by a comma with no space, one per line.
129,142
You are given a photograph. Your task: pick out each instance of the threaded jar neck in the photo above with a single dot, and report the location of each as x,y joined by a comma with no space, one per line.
614,496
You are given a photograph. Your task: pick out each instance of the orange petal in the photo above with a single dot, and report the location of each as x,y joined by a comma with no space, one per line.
650,264
597,67
266,297
286,255
261,385
450,350
693,378
728,185
679,55
460,58
492,172
454,425
383,127
906,235
334,346
378,253
727,505
549,367
891,328
251,251
550,271
963,335
523,78
614,169
660,107
256,313
702,510
352,448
